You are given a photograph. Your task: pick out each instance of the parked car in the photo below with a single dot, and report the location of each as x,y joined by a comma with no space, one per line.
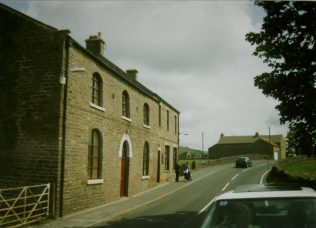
243,162
263,206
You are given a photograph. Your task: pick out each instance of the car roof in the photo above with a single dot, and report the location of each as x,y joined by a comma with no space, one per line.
267,191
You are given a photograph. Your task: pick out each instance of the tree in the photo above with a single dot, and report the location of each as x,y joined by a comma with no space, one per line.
287,43
297,140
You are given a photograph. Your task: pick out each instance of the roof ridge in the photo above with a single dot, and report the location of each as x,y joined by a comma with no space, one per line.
122,74
247,139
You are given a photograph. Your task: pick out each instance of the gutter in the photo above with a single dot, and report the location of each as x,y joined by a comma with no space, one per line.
64,120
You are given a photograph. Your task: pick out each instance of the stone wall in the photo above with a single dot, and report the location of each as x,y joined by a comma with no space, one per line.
82,117
31,58
282,148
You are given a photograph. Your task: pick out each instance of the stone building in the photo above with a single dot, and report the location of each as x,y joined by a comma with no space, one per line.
185,155
268,146
72,118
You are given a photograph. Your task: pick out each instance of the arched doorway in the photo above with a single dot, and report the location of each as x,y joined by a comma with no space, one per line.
124,169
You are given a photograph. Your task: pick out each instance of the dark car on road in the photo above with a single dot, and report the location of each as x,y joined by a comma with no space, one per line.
243,162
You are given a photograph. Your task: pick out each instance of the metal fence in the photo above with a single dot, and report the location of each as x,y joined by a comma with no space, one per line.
23,205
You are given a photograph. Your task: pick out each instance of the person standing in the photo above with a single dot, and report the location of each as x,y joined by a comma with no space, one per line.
177,169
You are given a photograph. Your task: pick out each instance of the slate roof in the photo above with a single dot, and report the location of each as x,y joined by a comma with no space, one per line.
121,75
249,139
117,72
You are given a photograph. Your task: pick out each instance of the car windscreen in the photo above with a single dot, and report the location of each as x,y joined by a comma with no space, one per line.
275,212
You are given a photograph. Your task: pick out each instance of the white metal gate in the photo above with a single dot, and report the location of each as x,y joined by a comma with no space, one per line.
23,205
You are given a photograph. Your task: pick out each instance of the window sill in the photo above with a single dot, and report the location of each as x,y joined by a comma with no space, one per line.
78,69
97,107
95,181
146,126
127,119
145,177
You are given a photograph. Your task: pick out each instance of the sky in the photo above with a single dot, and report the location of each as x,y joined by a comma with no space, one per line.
192,53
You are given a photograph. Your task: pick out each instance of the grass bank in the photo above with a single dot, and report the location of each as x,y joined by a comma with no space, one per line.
304,168
296,171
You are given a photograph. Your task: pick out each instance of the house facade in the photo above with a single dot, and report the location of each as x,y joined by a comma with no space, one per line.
185,155
264,146
72,118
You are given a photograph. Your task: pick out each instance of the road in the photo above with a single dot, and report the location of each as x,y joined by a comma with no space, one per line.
185,208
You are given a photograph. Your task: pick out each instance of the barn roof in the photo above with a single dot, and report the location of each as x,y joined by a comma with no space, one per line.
249,139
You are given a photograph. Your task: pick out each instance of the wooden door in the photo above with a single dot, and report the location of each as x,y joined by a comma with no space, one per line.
123,177
124,170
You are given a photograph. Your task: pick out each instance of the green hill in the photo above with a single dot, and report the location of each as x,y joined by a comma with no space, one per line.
193,152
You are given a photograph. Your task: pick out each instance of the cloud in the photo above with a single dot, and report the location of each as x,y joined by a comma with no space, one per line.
176,36
192,53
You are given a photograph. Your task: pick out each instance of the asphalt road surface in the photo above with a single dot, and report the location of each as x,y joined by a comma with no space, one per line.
186,207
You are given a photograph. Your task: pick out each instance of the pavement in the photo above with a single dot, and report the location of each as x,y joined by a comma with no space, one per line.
94,216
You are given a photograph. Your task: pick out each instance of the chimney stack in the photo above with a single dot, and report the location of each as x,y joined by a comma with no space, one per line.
95,44
132,73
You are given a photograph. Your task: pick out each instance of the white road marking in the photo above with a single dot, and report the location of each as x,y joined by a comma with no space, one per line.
235,176
261,180
225,186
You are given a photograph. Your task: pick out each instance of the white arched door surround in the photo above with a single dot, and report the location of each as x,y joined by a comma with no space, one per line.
124,138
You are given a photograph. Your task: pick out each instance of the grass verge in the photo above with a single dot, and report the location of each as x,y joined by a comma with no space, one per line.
301,172
305,168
